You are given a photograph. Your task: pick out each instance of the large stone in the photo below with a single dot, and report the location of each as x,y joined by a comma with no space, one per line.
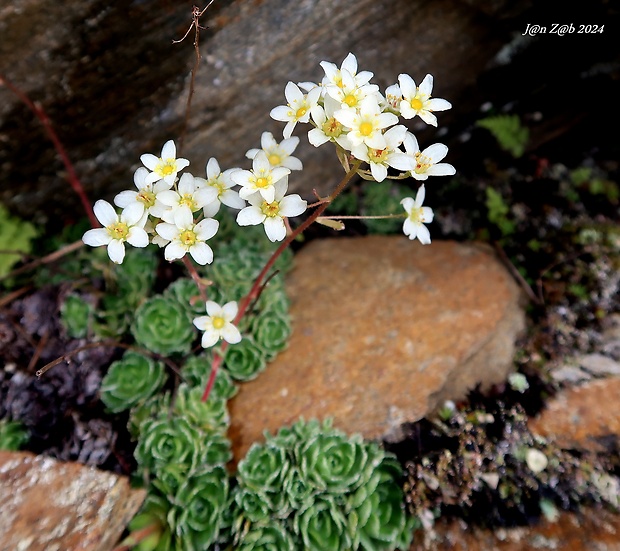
582,416
384,330
48,505
114,85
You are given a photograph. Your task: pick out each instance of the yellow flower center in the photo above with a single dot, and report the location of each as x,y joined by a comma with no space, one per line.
301,112
118,230
270,209
416,104
146,197
218,322
188,238
422,163
416,215
188,200
366,128
262,182
332,128
377,155
166,167
274,159
350,100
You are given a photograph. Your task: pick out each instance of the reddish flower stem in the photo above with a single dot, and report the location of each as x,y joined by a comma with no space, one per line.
256,287
196,277
51,133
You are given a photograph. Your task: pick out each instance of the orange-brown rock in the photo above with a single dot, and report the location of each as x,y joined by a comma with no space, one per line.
47,504
578,416
384,330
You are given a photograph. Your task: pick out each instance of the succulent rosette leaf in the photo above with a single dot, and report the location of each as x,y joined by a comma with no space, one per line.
244,360
199,506
335,463
196,371
162,325
75,315
380,520
185,292
166,441
271,330
268,536
131,380
323,527
148,410
263,468
209,416
154,511
252,506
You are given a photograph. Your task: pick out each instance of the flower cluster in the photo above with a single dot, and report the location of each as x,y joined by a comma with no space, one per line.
177,213
346,109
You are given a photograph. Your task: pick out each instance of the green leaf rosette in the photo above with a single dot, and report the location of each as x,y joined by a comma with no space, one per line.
209,416
196,371
163,326
244,360
253,506
168,441
148,410
271,330
186,293
263,468
199,506
136,275
323,527
267,536
131,380
75,315
378,519
334,463
154,511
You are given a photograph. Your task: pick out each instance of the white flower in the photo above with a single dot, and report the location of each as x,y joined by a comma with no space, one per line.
417,216
349,94
367,123
328,129
272,214
222,183
333,75
187,237
260,179
417,99
427,162
164,167
393,97
218,324
146,197
380,159
189,197
128,226
279,154
297,108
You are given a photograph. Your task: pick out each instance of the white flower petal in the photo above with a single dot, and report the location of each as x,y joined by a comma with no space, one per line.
437,104
201,322
174,251
206,229
275,228
250,216
230,310
231,334
435,152
441,169
214,309
210,337
132,214
424,235
379,172
125,198
105,213
149,161
201,253
169,151
116,251
97,237
231,199
292,205
137,237
167,231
